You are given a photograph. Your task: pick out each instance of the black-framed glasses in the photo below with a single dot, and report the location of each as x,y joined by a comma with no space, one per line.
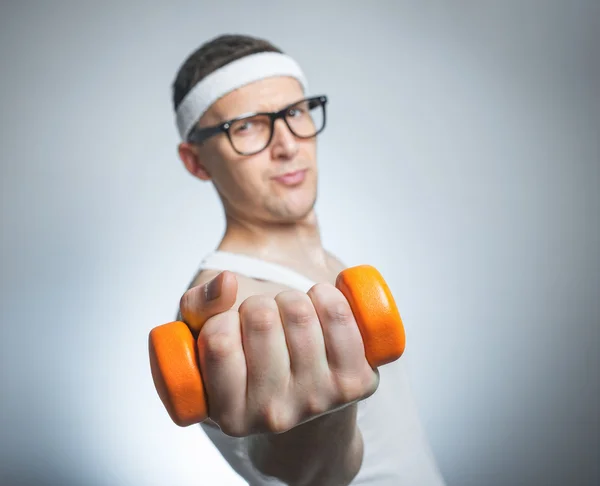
251,133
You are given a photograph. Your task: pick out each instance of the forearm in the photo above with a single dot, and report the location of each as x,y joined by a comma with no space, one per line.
326,451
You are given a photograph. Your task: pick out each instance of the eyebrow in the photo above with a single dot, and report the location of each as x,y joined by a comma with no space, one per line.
261,108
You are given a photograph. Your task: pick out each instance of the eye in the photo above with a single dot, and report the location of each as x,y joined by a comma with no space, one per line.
296,112
243,126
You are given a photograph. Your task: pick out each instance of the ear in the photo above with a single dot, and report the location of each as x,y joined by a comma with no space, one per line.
190,157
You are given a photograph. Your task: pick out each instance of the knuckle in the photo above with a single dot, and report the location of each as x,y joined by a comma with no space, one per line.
351,388
315,404
339,311
372,383
218,322
322,290
332,303
187,300
296,309
260,314
275,418
216,345
231,426
183,302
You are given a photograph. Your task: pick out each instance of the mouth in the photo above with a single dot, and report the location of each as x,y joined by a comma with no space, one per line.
291,178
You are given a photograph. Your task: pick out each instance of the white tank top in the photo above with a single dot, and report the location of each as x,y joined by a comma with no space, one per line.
396,451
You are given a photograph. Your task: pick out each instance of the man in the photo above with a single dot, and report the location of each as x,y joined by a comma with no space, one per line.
292,397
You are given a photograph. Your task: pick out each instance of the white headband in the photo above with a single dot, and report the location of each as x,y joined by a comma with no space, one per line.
231,77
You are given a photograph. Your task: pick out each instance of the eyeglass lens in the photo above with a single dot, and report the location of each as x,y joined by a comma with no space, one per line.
252,134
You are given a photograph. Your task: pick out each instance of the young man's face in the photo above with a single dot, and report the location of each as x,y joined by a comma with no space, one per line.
278,184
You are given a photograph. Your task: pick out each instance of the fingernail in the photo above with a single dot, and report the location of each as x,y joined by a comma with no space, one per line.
213,289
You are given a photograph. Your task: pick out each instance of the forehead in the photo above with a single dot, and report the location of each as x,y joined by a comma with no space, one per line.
269,94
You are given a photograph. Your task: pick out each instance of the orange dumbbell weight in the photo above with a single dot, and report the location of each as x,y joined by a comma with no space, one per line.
174,352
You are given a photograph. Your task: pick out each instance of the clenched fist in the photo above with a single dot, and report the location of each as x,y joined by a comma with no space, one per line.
276,362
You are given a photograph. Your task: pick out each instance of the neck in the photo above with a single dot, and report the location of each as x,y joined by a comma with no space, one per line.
284,243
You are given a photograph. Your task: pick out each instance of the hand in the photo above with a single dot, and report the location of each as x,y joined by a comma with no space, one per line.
277,362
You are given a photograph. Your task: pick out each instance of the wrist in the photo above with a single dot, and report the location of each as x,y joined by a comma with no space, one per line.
324,450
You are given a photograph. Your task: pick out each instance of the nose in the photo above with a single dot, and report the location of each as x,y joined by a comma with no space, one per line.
284,143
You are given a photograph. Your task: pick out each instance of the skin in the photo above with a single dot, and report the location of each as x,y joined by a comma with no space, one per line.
283,368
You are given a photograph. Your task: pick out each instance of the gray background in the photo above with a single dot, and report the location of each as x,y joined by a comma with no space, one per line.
462,159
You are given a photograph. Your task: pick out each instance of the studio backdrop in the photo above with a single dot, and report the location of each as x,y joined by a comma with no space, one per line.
461,158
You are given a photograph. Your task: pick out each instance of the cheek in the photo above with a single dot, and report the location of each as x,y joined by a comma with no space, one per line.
249,178
233,173
309,151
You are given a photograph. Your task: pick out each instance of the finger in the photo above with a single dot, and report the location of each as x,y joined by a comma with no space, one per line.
343,341
304,337
202,302
265,348
223,368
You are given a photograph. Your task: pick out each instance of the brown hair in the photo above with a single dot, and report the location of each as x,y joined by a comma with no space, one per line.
213,55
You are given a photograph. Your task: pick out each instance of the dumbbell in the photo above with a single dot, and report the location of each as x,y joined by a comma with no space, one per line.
175,364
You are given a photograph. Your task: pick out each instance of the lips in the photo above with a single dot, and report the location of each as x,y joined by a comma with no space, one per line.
291,178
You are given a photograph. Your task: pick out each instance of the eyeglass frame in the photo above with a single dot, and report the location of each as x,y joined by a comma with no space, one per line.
199,135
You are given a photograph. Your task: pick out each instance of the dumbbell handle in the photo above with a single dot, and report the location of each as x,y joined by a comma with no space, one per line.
174,352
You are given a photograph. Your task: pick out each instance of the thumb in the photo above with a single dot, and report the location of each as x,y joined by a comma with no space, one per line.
204,301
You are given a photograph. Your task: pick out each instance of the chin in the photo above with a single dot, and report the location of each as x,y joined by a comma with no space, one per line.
300,212
294,204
